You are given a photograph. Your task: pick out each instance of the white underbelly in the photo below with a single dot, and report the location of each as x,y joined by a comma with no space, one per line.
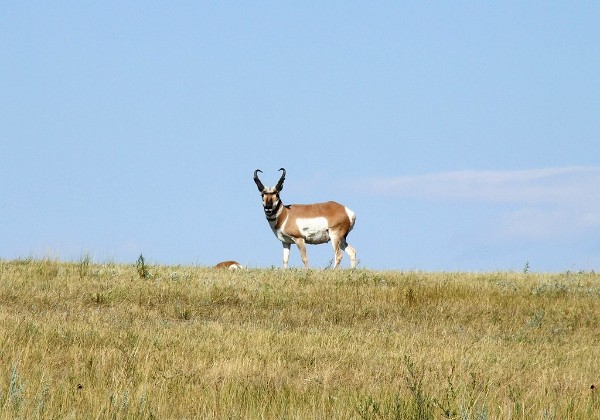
314,230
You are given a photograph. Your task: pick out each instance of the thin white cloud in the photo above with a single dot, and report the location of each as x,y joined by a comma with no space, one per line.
537,204
552,185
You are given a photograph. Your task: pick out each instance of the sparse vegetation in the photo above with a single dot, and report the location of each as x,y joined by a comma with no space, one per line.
88,340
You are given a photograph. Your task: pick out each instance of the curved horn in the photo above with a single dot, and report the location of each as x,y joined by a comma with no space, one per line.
259,184
279,185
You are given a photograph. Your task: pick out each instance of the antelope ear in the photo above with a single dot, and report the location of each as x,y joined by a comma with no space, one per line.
259,184
279,185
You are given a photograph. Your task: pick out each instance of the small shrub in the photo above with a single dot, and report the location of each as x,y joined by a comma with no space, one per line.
15,391
142,269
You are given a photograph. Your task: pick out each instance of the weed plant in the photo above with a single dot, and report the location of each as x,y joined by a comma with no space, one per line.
87,340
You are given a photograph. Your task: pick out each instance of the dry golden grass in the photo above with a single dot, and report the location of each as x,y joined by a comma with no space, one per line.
84,340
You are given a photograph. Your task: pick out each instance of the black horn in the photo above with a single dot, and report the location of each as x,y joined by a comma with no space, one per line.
279,185
259,184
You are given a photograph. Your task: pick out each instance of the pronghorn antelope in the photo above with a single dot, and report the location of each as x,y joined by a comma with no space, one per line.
232,265
302,224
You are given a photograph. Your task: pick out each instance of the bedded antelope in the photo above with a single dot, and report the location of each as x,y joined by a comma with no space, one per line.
232,265
303,224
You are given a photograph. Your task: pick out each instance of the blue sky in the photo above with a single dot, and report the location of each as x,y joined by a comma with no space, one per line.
465,135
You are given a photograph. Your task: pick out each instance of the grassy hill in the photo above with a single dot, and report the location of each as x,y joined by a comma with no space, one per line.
86,340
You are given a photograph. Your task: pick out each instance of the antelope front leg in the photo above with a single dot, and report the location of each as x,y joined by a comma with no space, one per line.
286,254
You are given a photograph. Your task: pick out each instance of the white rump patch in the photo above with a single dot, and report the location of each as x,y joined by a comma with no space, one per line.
315,230
351,216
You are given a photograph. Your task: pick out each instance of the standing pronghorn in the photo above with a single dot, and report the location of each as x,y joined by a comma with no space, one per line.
302,224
